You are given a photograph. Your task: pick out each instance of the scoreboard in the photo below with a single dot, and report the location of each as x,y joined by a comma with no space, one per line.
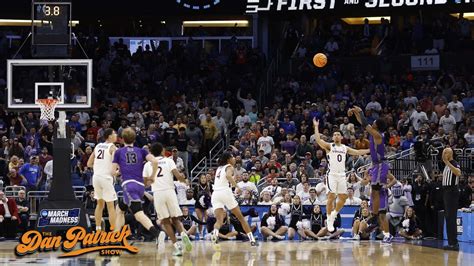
51,23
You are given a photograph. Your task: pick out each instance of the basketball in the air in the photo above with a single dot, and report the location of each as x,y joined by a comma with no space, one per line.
320,60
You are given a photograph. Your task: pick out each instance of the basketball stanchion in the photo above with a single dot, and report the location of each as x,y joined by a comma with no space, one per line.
61,210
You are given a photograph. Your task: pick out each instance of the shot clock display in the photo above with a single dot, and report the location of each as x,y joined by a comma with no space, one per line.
51,24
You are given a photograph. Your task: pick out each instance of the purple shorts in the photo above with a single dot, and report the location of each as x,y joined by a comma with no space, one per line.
378,173
132,191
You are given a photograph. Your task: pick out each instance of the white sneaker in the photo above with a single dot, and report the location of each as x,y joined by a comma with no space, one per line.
356,237
330,221
160,241
269,238
178,249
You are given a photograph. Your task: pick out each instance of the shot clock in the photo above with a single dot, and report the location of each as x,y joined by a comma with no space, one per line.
51,23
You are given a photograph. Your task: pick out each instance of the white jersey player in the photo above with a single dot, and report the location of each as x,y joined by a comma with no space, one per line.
103,180
336,174
165,198
222,197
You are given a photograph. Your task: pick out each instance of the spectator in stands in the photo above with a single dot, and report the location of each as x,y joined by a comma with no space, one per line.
266,198
248,102
273,225
15,178
211,133
23,210
447,122
469,137
254,176
274,188
9,218
189,198
302,148
16,149
457,110
408,142
418,118
290,182
322,191
266,144
32,173
246,185
195,136
313,198
247,198
351,199
362,142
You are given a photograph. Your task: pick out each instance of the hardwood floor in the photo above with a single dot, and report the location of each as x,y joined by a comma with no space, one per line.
341,252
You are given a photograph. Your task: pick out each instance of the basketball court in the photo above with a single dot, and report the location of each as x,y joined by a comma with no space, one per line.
340,252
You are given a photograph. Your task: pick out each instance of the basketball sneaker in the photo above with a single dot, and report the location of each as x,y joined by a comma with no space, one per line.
187,243
178,249
160,240
387,239
330,221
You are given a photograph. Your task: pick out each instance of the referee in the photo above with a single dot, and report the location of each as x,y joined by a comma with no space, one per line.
451,174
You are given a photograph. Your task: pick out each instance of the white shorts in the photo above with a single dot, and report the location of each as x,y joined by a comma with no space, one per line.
104,188
337,183
166,204
223,198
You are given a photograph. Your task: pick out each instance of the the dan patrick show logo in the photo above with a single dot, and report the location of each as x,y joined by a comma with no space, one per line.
107,243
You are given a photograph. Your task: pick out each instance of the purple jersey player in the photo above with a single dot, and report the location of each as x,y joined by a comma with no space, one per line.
131,160
379,175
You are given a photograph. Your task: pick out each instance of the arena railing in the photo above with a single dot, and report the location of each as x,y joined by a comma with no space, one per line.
12,191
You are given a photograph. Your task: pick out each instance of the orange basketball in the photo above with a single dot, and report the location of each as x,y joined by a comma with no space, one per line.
320,60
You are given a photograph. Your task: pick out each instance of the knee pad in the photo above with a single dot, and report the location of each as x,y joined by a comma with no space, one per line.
135,206
123,207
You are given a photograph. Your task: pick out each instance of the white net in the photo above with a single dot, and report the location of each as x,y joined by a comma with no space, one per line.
47,107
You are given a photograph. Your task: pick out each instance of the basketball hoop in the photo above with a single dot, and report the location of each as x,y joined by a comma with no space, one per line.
47,107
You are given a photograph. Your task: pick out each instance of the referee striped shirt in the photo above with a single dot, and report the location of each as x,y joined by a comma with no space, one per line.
450,179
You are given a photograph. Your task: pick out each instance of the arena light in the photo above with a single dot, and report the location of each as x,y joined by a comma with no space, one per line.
360,21
27,22
469,15
215,23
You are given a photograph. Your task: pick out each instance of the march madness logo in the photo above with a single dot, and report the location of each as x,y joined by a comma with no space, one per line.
198,4
106,243
65,217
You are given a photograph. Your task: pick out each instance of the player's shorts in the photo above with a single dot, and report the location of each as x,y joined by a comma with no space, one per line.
132,191
337,183
166,204
223,198
104,188
378,173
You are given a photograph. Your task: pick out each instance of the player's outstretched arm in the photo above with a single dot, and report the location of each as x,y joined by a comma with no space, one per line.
359,114
352,151
181,178
323,144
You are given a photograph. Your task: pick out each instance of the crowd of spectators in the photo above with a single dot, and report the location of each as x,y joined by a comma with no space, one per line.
435,33
187,98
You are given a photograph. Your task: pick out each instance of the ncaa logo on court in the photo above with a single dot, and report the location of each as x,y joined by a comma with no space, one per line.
198,4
